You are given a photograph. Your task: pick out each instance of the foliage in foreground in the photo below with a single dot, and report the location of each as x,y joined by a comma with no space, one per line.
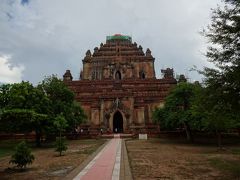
22,156
61,145
217,107
61,124
177,110
221,100
24,121
25,108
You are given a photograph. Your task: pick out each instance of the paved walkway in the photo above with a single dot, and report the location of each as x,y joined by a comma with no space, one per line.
106,165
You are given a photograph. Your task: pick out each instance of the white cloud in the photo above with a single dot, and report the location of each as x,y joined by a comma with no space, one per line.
9,73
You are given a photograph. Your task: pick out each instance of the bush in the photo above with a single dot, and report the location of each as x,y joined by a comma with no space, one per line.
61,145
22,155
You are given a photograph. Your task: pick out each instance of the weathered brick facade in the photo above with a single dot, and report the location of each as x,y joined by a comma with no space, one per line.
118,88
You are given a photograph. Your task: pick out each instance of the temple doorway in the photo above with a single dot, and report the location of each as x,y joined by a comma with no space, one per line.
118,76
117,122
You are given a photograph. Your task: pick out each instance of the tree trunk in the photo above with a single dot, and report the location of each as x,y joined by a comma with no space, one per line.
219,139
60,142
188,132
38,138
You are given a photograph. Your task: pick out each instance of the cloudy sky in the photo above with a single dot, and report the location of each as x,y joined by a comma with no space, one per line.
44,37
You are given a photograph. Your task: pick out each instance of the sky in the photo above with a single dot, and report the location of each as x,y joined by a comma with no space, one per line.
39,38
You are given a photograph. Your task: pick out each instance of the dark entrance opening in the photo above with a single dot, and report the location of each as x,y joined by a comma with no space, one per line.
142,75
117,122
118,76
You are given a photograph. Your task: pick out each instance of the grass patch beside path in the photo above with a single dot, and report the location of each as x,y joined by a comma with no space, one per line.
7,147
47,163
166,159
230,166
5,152
236,151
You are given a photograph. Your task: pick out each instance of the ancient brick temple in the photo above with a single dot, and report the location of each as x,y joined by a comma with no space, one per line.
118,88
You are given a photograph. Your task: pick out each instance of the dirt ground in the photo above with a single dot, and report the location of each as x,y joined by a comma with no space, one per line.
164,159
47,163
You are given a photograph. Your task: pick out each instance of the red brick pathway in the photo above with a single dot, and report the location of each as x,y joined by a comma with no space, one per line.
102,166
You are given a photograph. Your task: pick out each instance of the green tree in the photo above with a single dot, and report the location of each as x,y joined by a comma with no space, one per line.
24,121
177,110
60,96
224,53
4,95
62,101
221,101
25,108
61,124
216,115
23,96
75,116
22,156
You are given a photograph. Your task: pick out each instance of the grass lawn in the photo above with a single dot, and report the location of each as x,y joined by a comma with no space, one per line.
47,163
168,159
5,152
227,166
7,147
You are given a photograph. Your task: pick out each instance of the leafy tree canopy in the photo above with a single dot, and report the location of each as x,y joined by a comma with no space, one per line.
177,107
25,108
61,97
224,52
177,110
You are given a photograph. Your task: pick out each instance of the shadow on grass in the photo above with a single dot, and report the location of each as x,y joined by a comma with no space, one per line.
11,170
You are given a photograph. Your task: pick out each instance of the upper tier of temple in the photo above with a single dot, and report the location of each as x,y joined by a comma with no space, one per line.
118,45
118,59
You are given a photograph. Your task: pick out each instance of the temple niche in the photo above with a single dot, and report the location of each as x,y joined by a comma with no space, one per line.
118,89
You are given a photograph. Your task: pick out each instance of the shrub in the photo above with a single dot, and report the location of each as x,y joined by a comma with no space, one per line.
61,145
22,155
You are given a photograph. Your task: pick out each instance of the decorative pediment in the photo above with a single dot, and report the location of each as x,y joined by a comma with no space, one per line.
117,105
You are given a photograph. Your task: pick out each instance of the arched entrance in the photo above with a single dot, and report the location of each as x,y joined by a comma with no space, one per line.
117,122
118,76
